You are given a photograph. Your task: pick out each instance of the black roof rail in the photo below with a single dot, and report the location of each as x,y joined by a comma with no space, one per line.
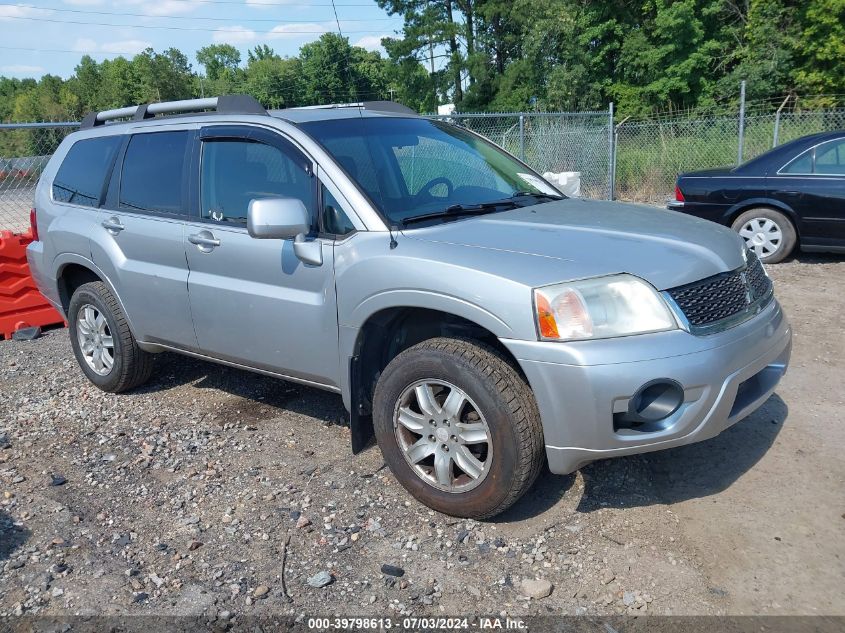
375,106
387,106
225,104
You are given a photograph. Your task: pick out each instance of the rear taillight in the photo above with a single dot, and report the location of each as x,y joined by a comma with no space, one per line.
33,224
679,197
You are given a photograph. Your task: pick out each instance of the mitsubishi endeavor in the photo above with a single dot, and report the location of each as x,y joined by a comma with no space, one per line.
474,320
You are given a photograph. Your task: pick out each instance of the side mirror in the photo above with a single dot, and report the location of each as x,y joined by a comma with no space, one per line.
277,218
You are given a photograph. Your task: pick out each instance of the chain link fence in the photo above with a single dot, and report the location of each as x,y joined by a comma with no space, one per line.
552,142
25,149
635,160
650,154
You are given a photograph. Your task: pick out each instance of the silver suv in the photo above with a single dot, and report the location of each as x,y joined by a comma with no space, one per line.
473,318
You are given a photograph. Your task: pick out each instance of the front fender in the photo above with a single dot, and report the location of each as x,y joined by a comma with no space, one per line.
413,298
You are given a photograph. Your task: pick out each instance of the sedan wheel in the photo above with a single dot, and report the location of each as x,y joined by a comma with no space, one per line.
762,236
767,232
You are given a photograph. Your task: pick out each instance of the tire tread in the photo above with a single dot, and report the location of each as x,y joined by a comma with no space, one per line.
519,399
136,365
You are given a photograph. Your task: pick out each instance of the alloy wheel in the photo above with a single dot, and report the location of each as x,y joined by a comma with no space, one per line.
95,339
443,435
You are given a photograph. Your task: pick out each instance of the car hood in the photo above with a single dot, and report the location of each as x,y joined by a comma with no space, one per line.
573,238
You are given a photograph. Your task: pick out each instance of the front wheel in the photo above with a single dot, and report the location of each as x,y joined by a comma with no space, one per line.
767,232
458,426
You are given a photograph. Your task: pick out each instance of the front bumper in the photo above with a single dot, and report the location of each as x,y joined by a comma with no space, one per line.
579,386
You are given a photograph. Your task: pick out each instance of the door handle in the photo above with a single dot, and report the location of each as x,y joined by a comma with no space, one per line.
113,225
204,240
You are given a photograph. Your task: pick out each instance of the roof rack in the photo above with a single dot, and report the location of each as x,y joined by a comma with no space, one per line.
225,104
378,106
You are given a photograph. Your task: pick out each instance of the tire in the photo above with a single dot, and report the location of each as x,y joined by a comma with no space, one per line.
756,225
497,398
130,366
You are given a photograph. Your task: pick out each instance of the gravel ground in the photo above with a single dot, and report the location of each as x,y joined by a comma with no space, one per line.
220,493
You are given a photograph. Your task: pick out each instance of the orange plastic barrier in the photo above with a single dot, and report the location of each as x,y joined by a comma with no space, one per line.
21,305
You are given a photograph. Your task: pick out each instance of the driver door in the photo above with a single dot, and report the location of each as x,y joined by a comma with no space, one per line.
253,302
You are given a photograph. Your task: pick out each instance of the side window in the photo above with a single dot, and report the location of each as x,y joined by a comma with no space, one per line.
82,174
830,158
801,165
237,171
335,219
153,173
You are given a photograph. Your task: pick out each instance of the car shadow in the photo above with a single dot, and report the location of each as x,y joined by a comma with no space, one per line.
686,472
11,536
258,396
544,495
663,477
813,258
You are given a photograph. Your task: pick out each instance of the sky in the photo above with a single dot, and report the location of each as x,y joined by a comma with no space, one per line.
50,36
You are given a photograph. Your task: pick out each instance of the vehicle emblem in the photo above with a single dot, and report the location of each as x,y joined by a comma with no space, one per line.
744,279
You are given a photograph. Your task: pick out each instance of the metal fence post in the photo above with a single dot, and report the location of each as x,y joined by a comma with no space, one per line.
741,121
611,167
522,137
777,122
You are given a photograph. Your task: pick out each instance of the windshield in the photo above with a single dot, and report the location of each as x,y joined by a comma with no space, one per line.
417,168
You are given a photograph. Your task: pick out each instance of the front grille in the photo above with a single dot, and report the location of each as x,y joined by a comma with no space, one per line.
724,296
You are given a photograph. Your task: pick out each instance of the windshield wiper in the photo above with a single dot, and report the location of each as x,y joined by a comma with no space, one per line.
458,210
536,194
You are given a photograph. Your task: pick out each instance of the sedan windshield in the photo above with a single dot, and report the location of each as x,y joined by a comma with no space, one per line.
415,169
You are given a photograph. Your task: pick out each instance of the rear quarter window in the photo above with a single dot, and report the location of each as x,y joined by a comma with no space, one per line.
82,174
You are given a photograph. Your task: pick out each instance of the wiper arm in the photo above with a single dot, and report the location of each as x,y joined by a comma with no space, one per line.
457,210
536,194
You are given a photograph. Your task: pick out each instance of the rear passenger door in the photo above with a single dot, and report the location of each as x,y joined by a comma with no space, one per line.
813,184
79,185
140,242
253,301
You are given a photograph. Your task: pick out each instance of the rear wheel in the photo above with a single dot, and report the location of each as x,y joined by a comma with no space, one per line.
458,426
767,232
102,343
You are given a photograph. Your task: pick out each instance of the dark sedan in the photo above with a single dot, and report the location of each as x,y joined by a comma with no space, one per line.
793,194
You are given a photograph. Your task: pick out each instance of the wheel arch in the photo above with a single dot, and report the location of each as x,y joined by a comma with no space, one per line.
387,332
74,270
752,203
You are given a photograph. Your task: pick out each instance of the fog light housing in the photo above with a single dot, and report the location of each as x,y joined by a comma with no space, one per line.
652,404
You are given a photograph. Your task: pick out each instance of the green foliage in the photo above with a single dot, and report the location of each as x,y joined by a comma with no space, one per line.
821,58
645,55
219,60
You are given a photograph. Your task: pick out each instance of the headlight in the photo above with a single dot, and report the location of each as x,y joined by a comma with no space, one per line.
603,307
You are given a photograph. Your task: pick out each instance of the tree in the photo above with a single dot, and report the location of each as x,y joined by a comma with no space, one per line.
820,49
219,60
335,72
162,76
432,25
260,52
275,82
645,55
